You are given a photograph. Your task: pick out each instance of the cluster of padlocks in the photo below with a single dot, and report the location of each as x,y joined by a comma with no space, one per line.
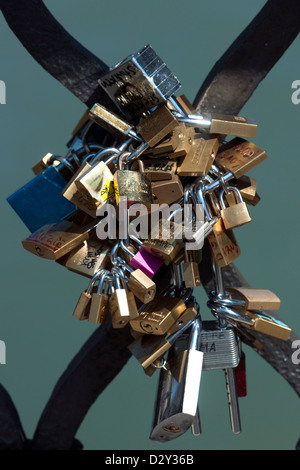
152,150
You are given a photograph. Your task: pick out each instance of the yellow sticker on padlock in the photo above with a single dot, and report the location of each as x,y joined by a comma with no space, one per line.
107,191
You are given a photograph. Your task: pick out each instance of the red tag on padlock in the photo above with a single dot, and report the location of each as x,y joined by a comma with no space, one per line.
240,375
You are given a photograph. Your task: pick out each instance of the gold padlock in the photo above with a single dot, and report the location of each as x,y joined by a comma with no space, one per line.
99,309
200,157
96,184
159,169
224,245
231,125
267,325
53,241
247,187
254,298
190,269
134,186
72,193
155,126
141,286
158,316
88,258
235,215
44,163
165,247
167,191
239,156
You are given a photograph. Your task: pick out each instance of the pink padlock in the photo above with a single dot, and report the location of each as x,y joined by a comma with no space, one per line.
144,261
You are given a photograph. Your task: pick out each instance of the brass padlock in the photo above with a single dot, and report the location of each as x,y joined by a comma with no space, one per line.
165,247
88,258
268,325
189,314
99,309
122,306
235,215
190,269
55,240
167,191
96,184
200,157
159,169
148,348
239,156
155,126
186,138
231,125
111,122
82,308
44,163
72,193
158,316
254,298
141,286
246,186
134,186
224,245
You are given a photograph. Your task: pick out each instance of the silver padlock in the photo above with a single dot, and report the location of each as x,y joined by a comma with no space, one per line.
219,346
139,83
178,389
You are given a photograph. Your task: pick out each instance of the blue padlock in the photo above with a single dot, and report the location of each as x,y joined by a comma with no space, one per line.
40,201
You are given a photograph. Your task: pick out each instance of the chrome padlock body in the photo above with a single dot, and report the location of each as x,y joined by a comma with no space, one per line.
139,83
219,346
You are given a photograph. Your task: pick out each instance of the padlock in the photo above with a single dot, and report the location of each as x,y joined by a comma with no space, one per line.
223,244
189,314
252,298
190,269
231,125
219,345
122,306
268,325
239,156
186,139
111,122
159,169
88,258
141,285
167,191
82,308
236,215
159,315
148,348
99,309
177,397
142,260
40,202
156,125
139,83
96,185
167,243
72,193
55,240
246,186
214,123
132,186
44,163
201,156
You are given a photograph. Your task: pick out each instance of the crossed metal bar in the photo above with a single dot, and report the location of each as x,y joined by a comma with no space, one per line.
226,89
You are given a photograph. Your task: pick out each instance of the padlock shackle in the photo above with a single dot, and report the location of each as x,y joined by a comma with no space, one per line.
230,188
